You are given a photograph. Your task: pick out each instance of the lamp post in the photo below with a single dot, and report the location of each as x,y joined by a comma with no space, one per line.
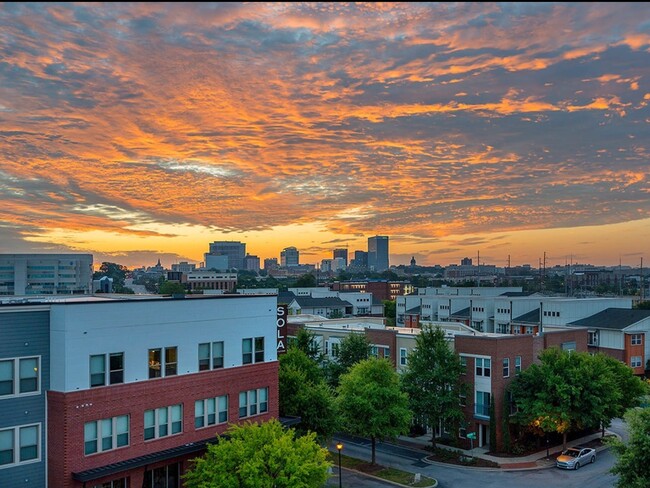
547,444
339,447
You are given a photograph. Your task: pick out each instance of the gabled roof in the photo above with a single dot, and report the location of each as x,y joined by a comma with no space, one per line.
613,318
286,296
531,317
461,313
309,302
414,310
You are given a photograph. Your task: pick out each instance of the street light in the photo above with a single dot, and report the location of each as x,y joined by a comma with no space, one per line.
339,447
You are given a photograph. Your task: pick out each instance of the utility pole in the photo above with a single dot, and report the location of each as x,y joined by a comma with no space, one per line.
642,282
478,264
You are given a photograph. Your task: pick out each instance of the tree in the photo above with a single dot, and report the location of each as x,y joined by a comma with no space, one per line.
304,393
371,403
260,456
567,391
115,271
631,389
352,349
632,465
389,311
432,380
171,288
306,281
306,342
645,305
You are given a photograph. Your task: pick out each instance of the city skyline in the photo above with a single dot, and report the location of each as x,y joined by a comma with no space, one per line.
148,130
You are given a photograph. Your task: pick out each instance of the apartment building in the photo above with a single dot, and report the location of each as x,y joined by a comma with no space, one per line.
123,392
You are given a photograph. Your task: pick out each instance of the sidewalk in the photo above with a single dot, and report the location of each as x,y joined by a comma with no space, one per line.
536,460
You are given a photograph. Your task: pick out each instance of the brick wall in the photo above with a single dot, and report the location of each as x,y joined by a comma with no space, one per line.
68,412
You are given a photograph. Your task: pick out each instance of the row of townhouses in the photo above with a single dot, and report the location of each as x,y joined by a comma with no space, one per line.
493,357
117,393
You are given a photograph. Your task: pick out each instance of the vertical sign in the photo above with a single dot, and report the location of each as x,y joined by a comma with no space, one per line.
281,326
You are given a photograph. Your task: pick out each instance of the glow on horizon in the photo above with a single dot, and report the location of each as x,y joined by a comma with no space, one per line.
135,131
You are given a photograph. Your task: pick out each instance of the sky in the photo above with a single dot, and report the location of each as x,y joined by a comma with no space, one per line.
145,131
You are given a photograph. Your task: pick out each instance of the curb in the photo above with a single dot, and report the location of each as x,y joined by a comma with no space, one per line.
434,485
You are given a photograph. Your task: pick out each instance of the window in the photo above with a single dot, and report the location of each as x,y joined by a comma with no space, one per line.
210,355
27,381
635,361
462,432
637,339
512,405
483,367
506,367
98,369
156,365
19,445
336,348
593,338
482,407
106,434
403,357
210,411
249,354
517,364
374,351
163,477
463,364
462,399
569,346
163,421
253,402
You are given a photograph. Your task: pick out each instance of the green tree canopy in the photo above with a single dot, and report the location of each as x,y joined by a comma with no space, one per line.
353,348
171,288
304,393
432,380
260,456
632,465
631,389
115,271
306,342
371,403
567,391
306,281
390,311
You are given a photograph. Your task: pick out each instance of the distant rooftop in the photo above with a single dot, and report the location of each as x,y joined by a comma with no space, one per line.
612,318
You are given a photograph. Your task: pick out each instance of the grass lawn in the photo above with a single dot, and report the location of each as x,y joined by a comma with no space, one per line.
390,474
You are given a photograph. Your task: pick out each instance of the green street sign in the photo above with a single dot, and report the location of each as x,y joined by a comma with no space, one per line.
471,435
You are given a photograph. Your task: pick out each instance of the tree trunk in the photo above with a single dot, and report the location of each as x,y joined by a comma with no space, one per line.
372,459
564,441
433,437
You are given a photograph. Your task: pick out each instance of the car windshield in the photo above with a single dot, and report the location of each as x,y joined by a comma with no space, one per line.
571,452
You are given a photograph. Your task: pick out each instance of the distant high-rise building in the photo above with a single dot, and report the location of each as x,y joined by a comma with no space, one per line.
46,274
466,262
235,250
290,256
378,253
341,253
270,263
251,263
360,260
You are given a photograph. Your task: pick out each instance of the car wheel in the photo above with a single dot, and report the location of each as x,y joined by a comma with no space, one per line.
577,466
593,459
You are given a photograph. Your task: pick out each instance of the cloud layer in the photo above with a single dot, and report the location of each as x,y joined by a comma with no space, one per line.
414,120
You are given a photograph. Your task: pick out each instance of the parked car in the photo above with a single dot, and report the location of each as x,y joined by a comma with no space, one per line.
574,457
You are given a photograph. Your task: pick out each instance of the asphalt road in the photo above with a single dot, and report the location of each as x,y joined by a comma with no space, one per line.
592,476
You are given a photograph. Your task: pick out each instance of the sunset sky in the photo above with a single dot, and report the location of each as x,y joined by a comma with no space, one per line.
144,131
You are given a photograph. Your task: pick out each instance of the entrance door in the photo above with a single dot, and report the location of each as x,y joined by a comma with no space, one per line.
483,435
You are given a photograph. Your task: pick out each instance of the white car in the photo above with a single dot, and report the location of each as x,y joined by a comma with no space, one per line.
574,457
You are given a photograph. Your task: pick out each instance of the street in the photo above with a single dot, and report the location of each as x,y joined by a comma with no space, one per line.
593,475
